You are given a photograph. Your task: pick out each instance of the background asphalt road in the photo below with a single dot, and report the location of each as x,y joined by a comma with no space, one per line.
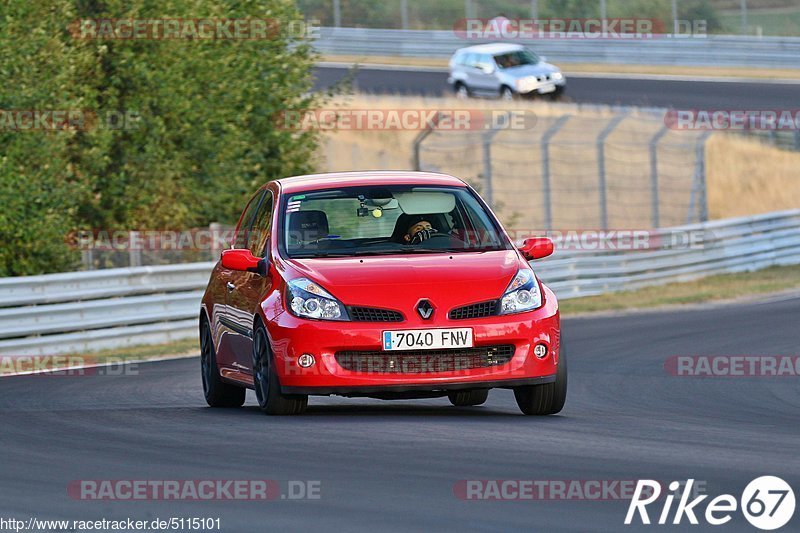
392,466
610,91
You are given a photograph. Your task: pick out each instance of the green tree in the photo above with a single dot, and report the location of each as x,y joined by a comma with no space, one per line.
207,133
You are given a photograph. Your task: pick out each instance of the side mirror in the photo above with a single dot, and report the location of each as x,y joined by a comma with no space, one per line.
543,59
487,68
536,248
241,259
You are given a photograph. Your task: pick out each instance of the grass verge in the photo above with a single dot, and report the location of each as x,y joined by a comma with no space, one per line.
712,288
115,355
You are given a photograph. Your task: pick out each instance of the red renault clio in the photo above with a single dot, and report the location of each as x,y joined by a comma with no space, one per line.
389,285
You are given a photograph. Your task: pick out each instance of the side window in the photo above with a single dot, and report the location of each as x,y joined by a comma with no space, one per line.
485,61
246,222
259,236
471,60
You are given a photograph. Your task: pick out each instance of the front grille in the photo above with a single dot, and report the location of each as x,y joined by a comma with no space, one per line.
478,310
422,361
373,314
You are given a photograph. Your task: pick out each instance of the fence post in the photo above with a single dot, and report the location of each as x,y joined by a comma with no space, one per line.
701,167
601,167
654,175
797,140
337,14
134,249
488,138
418,140
87,259
487,168
698,195
215,229
545,149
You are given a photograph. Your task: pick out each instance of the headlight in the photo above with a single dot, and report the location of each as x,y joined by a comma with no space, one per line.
309,300
557,76
522,294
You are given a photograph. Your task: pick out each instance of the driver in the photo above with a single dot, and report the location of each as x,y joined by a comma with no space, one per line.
419,231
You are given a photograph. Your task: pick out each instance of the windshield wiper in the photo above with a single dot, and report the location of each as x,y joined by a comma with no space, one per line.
316,255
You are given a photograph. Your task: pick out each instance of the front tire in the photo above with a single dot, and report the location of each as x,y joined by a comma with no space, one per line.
265,380
507,94
216,392
468,398
546,399
461,90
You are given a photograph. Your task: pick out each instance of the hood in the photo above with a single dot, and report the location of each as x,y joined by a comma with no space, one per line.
399,282
539,69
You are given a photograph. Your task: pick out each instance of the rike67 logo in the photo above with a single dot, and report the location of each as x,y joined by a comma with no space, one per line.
767,503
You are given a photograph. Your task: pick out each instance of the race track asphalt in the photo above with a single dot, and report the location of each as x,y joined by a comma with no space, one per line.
678,94
392,466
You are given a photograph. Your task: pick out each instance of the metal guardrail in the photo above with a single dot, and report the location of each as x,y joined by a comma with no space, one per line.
713,50
83,311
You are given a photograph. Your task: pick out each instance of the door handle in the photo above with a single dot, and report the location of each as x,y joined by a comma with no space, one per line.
231,286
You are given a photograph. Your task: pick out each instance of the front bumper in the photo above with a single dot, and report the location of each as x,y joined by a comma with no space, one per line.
545,89
291,336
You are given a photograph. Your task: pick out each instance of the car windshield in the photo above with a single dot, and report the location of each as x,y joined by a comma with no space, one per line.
516,59
362,221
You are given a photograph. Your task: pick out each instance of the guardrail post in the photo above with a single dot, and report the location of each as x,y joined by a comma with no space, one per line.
547,136
404,14
601,167
654,175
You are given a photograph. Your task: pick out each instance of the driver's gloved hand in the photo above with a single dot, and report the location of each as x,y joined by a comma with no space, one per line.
422,235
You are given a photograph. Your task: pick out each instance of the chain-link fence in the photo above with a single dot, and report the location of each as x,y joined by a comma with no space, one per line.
620,171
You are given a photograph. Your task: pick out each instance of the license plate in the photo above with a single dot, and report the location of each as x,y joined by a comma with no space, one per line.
427,339
547,89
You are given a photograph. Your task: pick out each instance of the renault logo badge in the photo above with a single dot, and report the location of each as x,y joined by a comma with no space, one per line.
425,309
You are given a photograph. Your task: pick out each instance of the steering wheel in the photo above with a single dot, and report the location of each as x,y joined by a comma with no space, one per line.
442,236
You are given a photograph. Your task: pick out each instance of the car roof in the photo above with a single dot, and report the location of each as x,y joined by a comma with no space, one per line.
351,179
491,48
